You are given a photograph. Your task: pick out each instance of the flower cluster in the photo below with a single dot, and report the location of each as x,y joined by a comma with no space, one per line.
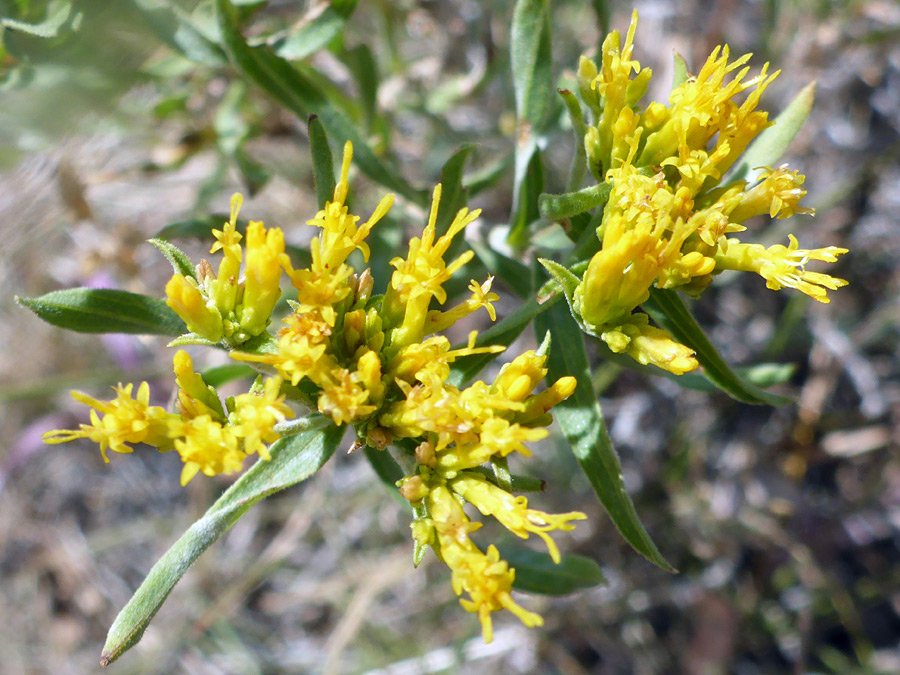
669,217
209,437
376,362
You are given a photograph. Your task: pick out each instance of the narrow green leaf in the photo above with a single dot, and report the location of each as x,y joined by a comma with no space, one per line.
528,186
103,310
219,375
323,162
321,24
176,257
772,143
365,71
385,466
567,281
556,207
529,43
488,176
581,420
57,16
537,573
668,310
518,483
173,26
679,70
299,94
293,459
579,161
603,11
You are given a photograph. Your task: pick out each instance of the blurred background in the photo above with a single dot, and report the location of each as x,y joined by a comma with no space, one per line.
119,119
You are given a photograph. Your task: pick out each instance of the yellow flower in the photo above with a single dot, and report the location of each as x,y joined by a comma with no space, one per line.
255,415
649,345
265,256
512,511
783,266
195,397
125,420
223,289
487,579
205,445
184,296
420,277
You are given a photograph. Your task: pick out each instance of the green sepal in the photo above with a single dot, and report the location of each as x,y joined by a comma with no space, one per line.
679,70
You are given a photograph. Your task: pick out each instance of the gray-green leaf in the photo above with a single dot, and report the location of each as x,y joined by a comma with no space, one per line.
537,573
771,144
581,420
103,310
668,310
293,459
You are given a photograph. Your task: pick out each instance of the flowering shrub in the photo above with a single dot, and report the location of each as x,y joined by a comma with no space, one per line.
673,184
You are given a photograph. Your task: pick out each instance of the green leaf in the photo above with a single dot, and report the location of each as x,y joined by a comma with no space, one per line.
603,11
581,420
679,70
669,311
103,310
57,15
567,281
178,258
173,26
528,184
320,25
537,573
557,207
219,375
579,161
529,43
365,71
488,176
299,94
294,459
772,143
518,483
385,466
323,162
